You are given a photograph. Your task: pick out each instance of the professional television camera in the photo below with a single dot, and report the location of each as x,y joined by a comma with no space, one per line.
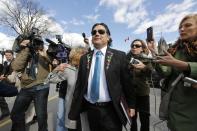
36,42
58,51
67,47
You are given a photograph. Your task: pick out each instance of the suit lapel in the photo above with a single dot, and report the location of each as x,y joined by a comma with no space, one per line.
88,63
108,59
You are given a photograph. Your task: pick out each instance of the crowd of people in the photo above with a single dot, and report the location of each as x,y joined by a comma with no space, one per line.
94,82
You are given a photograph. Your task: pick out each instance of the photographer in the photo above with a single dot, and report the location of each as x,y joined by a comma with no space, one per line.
139,70
34,64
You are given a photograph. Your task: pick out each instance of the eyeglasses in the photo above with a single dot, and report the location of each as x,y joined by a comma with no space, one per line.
101,32
136,46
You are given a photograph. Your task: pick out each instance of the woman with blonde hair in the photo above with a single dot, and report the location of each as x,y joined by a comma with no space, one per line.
181,59
67,72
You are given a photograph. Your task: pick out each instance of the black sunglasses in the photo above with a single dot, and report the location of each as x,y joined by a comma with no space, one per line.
136,46
101,32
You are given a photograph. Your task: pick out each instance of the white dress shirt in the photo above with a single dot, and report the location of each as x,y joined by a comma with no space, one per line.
103,90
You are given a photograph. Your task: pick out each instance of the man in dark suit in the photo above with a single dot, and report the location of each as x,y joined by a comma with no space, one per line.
103,78
3,78
5,89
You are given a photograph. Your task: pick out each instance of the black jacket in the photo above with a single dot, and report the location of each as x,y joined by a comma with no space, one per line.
117,78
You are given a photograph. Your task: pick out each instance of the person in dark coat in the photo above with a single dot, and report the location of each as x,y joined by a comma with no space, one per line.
140,72
102,103
6,70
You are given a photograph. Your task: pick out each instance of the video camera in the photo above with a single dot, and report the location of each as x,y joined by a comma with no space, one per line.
36,42
59,38
58,51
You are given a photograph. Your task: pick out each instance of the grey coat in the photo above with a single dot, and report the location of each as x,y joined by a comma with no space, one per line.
69,74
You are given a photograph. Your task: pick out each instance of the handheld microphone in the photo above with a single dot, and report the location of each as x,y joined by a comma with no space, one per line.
50,41
190,80
84,35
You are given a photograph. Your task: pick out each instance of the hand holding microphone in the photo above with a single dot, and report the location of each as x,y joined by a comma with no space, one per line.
86,41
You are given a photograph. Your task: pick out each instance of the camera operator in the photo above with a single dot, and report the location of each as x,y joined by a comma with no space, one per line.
139,68
33,62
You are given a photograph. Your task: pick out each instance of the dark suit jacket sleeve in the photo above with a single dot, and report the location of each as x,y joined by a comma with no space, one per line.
1,68
126,81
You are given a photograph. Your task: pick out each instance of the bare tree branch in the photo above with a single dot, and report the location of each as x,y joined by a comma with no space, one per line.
22,15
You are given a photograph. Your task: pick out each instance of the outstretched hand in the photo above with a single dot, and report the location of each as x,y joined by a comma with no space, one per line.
61,67
167,59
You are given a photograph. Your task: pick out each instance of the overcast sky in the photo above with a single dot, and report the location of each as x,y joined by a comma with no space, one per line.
125,18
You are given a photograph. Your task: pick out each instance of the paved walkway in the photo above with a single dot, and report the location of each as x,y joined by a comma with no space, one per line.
155,123
52,110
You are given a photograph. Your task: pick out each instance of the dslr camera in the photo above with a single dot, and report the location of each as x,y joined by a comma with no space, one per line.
36,42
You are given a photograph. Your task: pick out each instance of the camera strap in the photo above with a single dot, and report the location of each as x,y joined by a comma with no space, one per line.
33,70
